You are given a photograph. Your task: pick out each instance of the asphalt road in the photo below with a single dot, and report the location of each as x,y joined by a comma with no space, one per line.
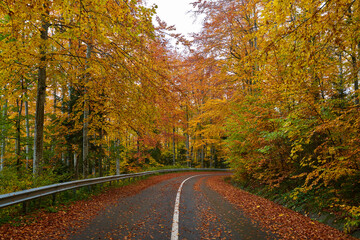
203,214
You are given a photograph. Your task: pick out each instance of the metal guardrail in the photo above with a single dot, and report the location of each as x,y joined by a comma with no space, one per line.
30,194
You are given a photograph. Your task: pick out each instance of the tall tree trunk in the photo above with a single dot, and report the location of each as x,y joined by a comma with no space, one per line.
18,134
341,90
187,143
68,137
187,139
55,97
174,149
212,155
40,100
67,150
355,76
191,155
85,141
27,126
202,156
3,131
76,164
354,55
69,108
117,157
86,119
53,143
138,142
101,155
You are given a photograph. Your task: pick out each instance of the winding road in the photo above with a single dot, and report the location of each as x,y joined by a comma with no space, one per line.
178,208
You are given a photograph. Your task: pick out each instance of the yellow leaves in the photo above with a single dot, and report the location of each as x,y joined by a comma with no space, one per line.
332,150
297,147
281,10
209,123
294,195
354,211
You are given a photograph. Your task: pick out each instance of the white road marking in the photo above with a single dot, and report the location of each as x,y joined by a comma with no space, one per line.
175,224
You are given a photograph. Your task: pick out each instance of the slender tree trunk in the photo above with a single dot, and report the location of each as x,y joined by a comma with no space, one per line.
40,101
101,155
201,151
355,76
354,55
85,141
212,155
3,138
117,157
187,143
27,125
191,155
341,78
18,135
52,146
69,108
68,136
202,156
86,123
174,149
187,139
55,97
198,157
111,152
76,164
19,105
137,142
75,159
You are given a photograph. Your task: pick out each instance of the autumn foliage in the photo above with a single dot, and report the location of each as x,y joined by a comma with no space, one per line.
291,121
268,87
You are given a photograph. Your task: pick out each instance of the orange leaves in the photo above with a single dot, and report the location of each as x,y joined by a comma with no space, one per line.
282,221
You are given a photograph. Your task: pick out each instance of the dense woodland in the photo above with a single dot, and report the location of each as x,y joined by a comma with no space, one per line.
270,88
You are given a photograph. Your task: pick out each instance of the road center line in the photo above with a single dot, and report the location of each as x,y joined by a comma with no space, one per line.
175,224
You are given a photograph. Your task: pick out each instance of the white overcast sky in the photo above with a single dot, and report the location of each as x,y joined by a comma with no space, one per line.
175,12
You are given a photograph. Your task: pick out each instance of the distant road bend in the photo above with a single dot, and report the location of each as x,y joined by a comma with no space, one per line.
183,207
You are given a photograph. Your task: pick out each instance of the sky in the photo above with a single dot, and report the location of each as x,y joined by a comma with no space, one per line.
175,12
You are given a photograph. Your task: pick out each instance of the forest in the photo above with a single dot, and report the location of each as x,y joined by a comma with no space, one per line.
268,88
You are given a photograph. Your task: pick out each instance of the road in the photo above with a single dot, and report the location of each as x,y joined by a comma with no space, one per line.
155,213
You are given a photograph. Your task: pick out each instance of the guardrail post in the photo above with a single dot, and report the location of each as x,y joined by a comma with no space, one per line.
25,206
53,199
39,203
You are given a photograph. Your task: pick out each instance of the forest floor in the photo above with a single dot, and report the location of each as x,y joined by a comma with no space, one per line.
282,221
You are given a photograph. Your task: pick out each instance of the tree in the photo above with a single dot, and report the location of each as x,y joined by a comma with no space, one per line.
41,92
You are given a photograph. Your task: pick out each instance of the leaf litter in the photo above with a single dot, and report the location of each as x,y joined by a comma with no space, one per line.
284,222
73,218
